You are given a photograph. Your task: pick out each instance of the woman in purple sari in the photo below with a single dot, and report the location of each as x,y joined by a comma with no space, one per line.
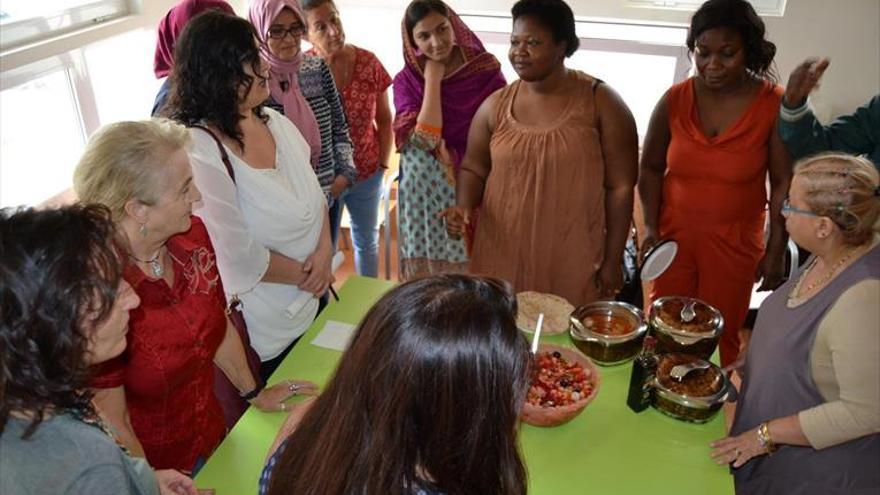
447,75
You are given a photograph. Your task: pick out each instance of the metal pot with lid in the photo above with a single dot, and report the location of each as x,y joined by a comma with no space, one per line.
609,332
698,396
698,336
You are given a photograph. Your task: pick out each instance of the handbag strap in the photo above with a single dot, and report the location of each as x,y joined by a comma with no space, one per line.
223,154
235,303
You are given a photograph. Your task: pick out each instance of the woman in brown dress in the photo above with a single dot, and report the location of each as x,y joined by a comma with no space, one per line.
551,163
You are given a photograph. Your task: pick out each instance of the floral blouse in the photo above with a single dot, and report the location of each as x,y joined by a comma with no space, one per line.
368,83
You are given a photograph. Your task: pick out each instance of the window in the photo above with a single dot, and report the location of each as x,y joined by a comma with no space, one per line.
51,106
42,138
763,7
639,61
25,21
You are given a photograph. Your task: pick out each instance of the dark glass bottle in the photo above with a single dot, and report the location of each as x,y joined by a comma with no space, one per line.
643,370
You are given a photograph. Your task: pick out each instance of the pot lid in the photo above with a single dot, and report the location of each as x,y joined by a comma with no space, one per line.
658,259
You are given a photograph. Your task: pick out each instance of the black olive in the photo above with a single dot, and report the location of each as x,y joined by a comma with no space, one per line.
556,354
578,390
564,383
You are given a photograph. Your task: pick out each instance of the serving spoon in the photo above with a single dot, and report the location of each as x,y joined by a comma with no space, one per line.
687,312
537,333
678,372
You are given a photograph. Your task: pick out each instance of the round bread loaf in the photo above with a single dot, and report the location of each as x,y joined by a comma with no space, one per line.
556,312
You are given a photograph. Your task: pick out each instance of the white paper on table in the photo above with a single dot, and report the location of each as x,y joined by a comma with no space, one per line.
335,335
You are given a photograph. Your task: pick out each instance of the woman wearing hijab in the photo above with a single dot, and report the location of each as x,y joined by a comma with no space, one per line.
302,88
169,29
446,76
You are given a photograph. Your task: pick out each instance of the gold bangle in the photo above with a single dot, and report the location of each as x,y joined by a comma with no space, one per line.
765,439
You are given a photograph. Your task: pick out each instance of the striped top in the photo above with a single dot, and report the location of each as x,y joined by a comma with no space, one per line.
319,89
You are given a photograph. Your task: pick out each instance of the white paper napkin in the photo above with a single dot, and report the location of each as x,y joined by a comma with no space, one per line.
335,335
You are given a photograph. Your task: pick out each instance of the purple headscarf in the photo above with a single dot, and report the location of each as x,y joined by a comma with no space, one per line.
172,24
462,91
261,14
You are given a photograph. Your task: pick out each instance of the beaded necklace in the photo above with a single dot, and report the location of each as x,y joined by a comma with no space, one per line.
796,292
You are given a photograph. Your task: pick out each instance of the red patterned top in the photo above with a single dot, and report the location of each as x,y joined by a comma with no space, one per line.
168,368
367,84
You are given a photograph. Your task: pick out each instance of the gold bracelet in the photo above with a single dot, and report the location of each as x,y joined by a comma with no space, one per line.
764,438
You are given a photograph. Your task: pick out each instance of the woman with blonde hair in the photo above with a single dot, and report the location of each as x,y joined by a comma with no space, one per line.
159,394
811,394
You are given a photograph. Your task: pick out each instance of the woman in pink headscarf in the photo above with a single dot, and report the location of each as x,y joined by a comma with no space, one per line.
302,88
169,29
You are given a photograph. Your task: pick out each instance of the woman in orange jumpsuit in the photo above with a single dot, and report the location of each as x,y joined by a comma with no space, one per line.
710,145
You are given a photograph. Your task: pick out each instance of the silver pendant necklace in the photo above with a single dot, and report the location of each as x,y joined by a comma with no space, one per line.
155,265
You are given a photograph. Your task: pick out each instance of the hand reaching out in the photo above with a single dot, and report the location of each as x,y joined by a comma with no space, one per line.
804,79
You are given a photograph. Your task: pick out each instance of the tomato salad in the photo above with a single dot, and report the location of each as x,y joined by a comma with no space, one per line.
557,382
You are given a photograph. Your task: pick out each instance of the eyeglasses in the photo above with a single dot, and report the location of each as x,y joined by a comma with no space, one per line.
787,209
278,33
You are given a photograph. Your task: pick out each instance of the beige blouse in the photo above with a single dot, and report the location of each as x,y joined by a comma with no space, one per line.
845,364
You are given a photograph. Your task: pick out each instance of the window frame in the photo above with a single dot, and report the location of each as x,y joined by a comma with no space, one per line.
488,28
774,8
36,29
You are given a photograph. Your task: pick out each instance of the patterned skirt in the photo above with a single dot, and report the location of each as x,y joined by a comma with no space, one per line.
424,191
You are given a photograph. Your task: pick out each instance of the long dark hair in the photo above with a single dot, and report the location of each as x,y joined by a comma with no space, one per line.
56,267
740,16
418,10
428,395
208,71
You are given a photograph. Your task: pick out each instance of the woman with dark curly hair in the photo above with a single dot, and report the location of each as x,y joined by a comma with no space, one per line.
64,307
425,401
711,143
551,162
261,202
167,34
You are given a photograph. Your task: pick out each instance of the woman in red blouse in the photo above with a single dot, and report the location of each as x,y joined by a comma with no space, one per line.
159,395
363,83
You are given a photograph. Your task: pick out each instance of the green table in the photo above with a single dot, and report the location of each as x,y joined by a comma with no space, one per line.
607,449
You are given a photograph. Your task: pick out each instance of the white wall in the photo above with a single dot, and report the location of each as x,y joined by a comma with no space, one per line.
847,31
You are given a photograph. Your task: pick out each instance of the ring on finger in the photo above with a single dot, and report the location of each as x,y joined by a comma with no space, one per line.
292,386
283,407
736,453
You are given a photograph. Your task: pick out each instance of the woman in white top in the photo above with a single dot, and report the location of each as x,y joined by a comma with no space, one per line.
266,214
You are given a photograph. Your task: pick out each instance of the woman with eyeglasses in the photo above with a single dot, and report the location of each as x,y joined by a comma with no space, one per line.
302,88
808,417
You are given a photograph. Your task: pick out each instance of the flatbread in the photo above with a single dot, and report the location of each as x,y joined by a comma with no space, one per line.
556,312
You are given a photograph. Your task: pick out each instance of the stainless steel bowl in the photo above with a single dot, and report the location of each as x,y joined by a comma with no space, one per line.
699,337
604,349
692,408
